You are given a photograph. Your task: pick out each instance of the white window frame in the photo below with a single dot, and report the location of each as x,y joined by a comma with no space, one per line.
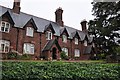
6,45
5,26
30,31
64,38
65,50
76,41
77,53
93,44
85,43
28,48
49,35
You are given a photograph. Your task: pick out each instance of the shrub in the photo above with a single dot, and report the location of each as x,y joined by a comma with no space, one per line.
26,57
59,71
63,55
12,55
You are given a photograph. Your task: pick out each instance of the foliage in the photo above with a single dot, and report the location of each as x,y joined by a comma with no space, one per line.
63,55
25,57
117,50
105,26
12,55
59,71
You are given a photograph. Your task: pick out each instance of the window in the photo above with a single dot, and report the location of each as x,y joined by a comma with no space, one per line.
49,35
64,38
4,46
5,27
29,31
65,50
76,41
85,43
93,44
28,48
77,53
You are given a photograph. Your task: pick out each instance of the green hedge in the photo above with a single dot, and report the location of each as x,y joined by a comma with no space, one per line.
59,71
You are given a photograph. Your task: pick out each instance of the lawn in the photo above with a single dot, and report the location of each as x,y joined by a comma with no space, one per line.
60,70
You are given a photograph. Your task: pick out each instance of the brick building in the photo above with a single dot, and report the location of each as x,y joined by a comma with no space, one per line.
28,34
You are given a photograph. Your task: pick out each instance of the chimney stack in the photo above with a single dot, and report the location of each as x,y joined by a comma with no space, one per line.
58,16
83,24
16,6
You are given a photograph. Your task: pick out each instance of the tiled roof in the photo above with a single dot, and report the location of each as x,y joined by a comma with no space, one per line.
50,43
21,19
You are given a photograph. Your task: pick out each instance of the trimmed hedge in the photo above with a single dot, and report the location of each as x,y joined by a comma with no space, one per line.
59,71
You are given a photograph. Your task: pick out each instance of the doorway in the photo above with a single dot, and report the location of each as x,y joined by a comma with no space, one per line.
54,50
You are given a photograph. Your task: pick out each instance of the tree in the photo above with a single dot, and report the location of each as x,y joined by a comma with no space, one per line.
105,27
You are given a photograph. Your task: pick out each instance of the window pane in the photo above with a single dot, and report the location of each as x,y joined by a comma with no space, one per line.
7,28
49,35
65,50
76,40
6,49
2,47
28,48
64,38
3,26
85,43
29,31
77,53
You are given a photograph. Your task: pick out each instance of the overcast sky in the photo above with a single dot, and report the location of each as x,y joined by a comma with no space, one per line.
74,10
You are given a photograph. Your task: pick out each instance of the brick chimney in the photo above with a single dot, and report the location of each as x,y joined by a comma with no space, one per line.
83,25
16,6
58,16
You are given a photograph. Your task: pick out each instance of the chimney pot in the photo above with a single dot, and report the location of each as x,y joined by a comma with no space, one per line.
16,6
83,25
58,16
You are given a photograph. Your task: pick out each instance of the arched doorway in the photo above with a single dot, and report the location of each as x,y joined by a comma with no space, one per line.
54,52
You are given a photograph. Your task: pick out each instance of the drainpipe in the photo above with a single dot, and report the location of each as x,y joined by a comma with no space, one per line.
40,45
71,48
17,39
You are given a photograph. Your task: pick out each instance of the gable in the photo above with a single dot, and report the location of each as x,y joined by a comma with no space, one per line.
7,17
75,35
31,23
64,31
50,44
49,27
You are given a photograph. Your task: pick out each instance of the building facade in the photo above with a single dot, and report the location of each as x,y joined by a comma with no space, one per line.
41,38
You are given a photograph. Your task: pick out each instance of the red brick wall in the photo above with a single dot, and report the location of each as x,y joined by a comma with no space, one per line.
37,39
22,38
12,35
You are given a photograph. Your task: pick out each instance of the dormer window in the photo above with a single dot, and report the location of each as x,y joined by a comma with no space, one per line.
5,27
93,44
64,38
85,43
76,41
48,35
29,31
